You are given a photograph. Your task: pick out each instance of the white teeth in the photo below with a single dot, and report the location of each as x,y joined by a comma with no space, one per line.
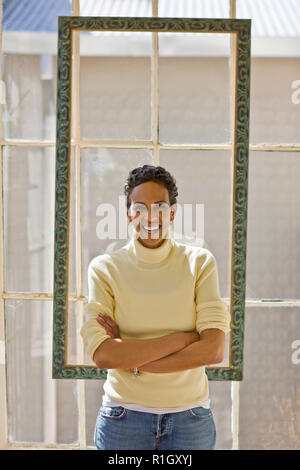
149,228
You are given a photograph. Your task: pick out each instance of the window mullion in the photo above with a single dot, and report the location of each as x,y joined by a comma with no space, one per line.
3,401
154,88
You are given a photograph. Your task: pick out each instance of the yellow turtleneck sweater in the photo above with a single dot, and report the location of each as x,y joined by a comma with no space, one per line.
152,292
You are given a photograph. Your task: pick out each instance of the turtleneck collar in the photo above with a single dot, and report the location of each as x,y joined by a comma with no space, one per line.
150,256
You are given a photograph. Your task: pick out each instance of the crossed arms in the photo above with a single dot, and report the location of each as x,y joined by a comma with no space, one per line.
170,353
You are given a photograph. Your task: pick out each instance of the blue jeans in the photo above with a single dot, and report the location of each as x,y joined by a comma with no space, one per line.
119,428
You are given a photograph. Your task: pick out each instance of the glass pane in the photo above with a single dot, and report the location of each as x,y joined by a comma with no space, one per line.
194,88
29,71
204,203
40,409
115,8
73,336
194,8
93,401
75,346
29,197
275,116
103,174
275,51
282,20
28,174
220,403
270,391
115,85
273,250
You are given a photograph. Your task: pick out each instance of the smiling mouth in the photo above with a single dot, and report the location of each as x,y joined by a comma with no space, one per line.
148,229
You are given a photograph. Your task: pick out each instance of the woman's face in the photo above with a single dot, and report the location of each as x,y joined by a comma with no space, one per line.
150,209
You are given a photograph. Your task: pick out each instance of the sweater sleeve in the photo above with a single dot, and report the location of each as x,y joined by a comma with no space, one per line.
100,299
211,311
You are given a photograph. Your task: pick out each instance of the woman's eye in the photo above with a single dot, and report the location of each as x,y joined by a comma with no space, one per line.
163,206
139,209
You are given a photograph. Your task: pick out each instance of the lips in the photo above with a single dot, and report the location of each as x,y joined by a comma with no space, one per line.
149,229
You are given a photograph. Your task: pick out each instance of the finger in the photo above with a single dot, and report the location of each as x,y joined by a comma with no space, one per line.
100,315
108,319
102,319
108,328
102,322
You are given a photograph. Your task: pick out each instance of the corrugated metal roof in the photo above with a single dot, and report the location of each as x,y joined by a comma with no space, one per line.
34,15
272,18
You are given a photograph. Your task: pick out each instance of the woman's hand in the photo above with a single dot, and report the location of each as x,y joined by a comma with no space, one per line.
109,325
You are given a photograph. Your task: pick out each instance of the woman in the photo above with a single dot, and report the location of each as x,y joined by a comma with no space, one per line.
155,319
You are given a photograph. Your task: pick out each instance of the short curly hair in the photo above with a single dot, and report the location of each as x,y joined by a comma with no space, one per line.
145,173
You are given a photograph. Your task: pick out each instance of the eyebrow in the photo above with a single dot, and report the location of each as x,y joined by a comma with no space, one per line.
139,202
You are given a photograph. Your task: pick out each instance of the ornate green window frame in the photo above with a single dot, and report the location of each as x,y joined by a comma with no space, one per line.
241,29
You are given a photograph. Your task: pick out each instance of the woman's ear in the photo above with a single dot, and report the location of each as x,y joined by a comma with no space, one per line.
173,212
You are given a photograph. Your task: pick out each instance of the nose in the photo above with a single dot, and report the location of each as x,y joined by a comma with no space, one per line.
151,222
153,218
150,218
